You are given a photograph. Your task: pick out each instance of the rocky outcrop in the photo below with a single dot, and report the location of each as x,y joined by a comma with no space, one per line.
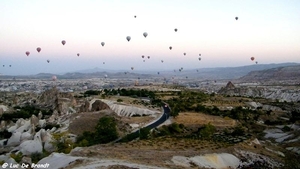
127,110
99,105
275,93
56,100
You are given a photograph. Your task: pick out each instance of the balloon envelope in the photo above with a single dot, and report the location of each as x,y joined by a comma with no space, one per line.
63,42
54,78
170,47
78,54
38,49
128,38
145,34
27,53
175,29
252,58
48,61
102,43
236,18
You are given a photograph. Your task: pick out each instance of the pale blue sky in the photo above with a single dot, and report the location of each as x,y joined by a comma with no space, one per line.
266,29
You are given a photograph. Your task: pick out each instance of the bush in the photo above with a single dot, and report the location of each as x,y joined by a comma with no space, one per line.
119,100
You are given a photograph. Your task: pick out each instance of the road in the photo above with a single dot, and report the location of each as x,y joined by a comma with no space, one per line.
136,134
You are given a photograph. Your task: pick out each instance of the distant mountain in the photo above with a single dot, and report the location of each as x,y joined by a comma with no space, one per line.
229,72
274,74
203,73
199,74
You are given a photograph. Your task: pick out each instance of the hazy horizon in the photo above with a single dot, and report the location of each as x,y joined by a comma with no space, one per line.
267,30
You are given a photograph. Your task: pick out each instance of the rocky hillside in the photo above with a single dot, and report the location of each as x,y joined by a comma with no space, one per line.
280,93
274,74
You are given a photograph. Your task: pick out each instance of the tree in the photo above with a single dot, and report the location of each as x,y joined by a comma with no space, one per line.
106,130
207,131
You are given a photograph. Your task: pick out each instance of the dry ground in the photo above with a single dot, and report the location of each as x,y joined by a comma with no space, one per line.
199,119
159,151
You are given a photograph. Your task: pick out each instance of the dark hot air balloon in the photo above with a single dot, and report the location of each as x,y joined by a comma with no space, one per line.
27,53
38,49
145,34
128,38
170,47
252,58
78,54
175,29
236,18
63,42
48,60
102,43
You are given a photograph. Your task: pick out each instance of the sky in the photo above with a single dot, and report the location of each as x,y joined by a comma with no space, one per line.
266,29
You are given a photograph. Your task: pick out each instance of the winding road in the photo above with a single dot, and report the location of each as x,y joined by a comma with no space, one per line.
158,122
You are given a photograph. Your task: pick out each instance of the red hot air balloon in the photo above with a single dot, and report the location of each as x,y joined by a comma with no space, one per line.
63,42
27,53
38,49
252,58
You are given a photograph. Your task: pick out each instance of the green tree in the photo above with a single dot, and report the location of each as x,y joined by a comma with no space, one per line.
207,131
144,133
106,130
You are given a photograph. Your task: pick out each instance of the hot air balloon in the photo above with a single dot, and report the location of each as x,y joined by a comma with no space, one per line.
63,42
158,73
236,18
38,49
184,54
256,62
170,47
199,58
175,29
143,56
3,65
103,62
162,61
48,60
27,53
200,54
128,38
132,68
54,78
102,43
105,76
134,16
148,57
78,54
252,58
143,60
9,65
145,34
